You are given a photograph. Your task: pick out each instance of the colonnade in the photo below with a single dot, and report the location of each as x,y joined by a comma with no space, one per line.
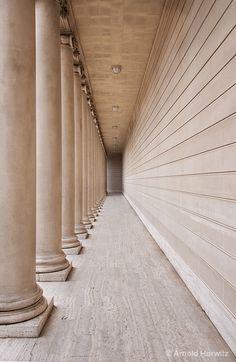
52,161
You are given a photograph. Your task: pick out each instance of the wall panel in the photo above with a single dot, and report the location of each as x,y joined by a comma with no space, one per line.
179,168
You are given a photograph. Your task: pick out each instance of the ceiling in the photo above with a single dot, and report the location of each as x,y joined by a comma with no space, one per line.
116,32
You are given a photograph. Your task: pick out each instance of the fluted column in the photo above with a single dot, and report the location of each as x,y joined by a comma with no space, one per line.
94,208
80,229
97,175
87,223
89,173
102,176
20,297
69,239
49,257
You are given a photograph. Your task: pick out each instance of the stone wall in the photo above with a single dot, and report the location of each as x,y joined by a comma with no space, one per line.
179,160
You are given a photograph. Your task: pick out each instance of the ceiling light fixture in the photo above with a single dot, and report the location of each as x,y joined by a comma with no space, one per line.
115,108
116,68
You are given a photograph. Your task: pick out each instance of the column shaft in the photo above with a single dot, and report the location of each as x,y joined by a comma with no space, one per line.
89,161
85,218
69,239
80,229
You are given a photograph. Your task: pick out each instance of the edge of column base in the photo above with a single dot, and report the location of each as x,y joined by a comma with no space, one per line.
73,251
70,242
30,328
81,236
88,226
94,212
57,276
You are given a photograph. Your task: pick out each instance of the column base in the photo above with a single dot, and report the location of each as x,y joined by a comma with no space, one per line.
82,236
27,329
48,264
73,251
88,226
91,217
58,276
81,232
94,212
70,242
87,223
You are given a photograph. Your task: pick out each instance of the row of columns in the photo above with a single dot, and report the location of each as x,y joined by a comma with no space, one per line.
52,181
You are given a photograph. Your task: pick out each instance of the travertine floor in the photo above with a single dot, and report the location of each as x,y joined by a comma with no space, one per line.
123,302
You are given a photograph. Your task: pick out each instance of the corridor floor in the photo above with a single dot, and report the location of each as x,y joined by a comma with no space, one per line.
123,302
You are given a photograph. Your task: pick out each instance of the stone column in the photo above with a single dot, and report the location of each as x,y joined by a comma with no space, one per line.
102,176
95,171
89,173
70,243
97,175
80,229
51,264
87,223
94,210
21,299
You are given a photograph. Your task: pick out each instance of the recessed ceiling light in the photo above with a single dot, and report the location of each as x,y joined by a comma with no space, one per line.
116,68
115,108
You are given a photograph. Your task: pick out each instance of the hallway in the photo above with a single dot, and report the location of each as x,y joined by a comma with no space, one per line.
123,301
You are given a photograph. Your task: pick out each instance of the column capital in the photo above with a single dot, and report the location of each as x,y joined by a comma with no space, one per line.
64,8
76,52
89,101
85,88
78,68
67,39
81,69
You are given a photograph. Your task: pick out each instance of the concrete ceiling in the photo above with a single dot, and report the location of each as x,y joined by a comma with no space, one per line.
116,32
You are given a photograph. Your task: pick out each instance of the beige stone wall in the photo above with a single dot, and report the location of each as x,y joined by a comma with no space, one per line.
114,173
179,162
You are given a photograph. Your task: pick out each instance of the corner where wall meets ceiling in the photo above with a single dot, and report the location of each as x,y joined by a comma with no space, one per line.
116,37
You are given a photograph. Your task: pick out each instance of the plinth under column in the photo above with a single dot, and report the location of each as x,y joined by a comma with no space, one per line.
30,328
81,233
92,218
88,225
58,276
52,268
71,245
94,212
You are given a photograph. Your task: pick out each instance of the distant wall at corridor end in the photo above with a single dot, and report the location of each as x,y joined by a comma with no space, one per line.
114,173
179,168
